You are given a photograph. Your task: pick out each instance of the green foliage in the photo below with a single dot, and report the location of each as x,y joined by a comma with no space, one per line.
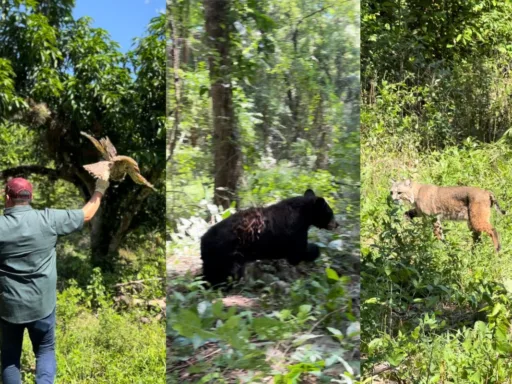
102,347
8,99
435,86
436,310
295,372
295,92
16,142
435,72
246,337
95,291
269,184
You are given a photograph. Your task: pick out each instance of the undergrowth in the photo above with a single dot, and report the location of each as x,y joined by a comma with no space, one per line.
110,327
435,312
285,328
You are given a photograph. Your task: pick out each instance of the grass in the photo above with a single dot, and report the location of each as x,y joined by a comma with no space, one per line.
435,312
106,334
104,347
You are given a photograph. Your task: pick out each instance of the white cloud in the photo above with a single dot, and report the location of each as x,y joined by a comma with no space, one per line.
147,1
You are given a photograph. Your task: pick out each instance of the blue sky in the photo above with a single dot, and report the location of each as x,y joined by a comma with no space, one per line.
123,19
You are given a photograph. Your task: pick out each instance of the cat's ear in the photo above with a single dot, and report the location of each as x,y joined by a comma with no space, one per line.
408,182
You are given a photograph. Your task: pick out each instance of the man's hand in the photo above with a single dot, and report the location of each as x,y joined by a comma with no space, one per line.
101,186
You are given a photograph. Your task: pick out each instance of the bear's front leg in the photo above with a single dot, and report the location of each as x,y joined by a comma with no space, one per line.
311,253
217,271
238,268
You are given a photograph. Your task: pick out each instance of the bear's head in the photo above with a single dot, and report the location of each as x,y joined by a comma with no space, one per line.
323,216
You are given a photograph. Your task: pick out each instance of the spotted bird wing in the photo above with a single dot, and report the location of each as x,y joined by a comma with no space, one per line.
100,170
139,179
125,164
109,147
99,146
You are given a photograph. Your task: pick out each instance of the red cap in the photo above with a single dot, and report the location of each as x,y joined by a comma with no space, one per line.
17,185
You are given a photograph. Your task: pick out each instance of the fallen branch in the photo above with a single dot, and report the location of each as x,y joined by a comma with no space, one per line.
285,352
192,360
381,368
136,282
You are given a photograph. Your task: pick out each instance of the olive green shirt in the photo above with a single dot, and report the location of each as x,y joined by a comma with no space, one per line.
28,267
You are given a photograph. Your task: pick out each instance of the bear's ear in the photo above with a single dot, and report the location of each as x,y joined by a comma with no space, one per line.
309,193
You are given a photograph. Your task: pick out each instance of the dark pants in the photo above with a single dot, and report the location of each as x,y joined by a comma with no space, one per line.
42,335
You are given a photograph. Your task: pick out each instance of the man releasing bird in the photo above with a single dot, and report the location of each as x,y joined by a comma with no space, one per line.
114,166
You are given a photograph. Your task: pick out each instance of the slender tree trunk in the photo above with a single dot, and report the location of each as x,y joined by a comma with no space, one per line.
324,140
226,146
113,221
293,105
266,129
175,106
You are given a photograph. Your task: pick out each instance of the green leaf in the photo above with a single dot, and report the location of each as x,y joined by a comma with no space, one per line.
188,323
268,328
332,274
226,214
396,358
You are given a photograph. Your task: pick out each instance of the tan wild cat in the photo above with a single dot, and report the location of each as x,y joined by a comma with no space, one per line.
453,203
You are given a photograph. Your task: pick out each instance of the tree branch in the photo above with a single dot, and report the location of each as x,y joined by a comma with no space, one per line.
130,206
25,170
174,56
313,14
136,282
295,33
348,185
50,173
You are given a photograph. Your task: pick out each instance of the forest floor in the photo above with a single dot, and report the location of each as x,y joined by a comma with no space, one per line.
289,353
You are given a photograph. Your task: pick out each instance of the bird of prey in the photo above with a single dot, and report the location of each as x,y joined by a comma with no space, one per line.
114,166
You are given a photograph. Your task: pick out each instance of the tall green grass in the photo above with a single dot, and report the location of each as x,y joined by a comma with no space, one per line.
102,347
435,311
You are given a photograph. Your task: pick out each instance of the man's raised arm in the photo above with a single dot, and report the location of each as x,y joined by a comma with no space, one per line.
93,204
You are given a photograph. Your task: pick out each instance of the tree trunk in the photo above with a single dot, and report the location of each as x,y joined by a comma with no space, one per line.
226,147
293,104
112,222
174,60
324,132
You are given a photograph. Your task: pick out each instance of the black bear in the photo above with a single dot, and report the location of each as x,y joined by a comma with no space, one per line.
279,231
